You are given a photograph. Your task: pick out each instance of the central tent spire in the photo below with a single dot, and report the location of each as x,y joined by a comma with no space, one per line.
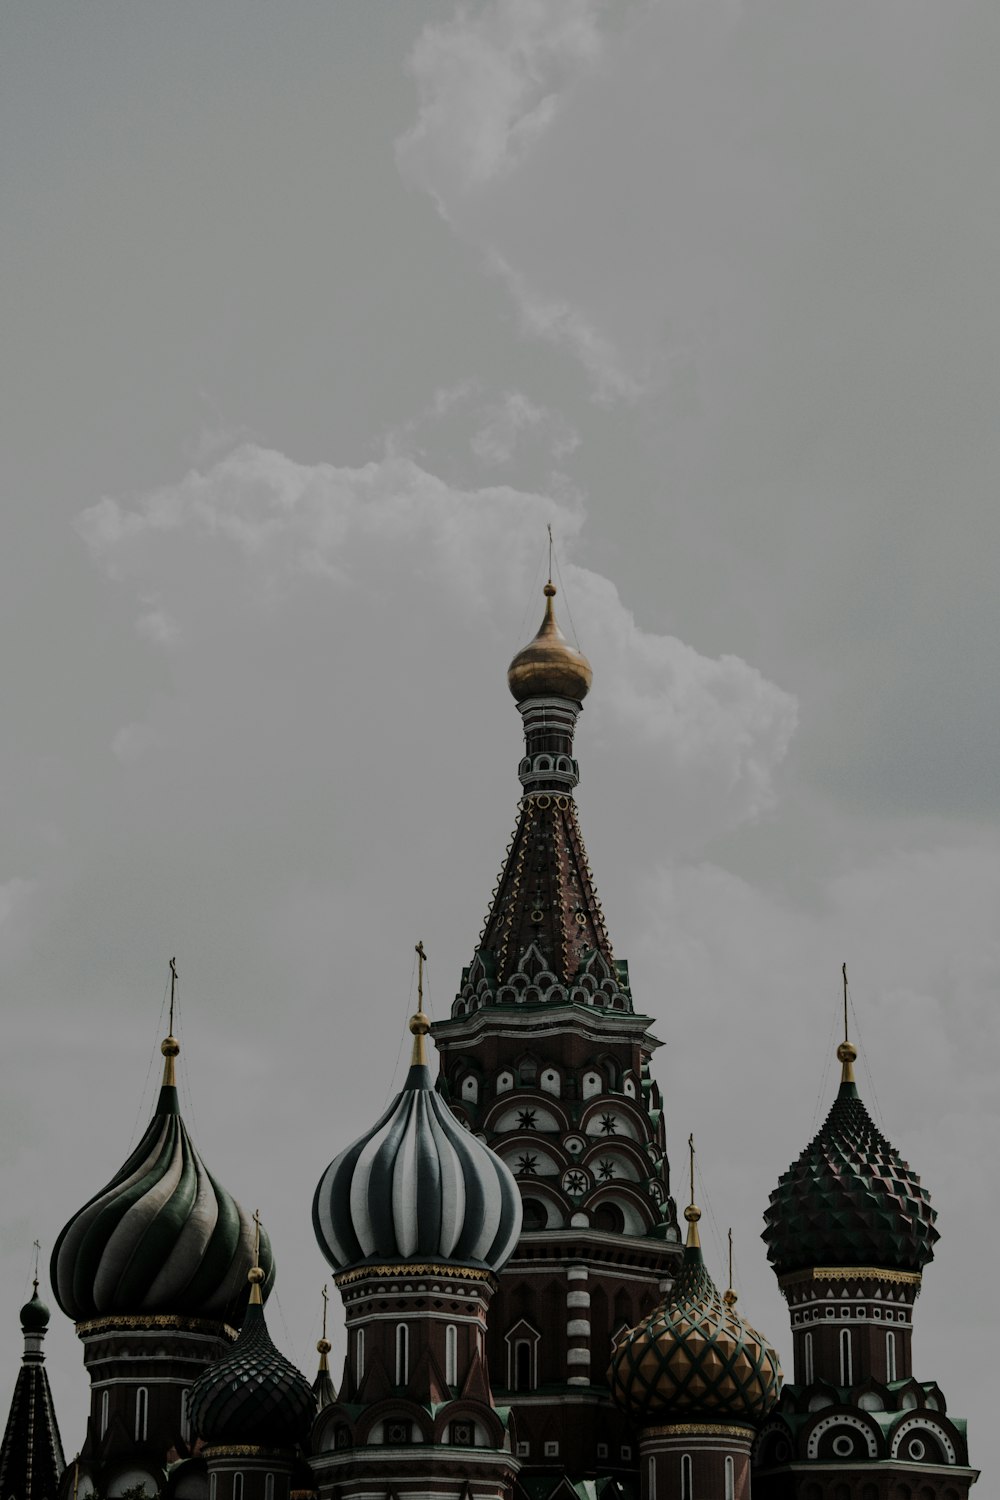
545,938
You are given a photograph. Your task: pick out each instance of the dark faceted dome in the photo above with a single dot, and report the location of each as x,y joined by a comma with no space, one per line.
162,1238
850,1199
253,1394
34,1314
694,1358
417,1187
548,667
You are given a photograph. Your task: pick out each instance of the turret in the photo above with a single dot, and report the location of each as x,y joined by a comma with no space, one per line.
31,1456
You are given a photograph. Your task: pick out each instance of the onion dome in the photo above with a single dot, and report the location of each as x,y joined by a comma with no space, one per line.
253,1394
850,1199
163,1237
34,1314
417,1187
694,1358
548,667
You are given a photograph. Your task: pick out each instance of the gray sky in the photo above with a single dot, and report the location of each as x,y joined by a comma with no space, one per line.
314,316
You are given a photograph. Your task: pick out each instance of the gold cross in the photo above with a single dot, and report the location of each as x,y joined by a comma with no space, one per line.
256,1237
173,991
421,960
691,1150
326,1299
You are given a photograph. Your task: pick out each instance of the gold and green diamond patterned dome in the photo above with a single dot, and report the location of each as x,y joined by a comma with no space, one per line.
695,1358
850,1199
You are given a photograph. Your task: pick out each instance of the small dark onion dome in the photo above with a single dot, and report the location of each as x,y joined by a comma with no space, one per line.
253,1394
34,1314
694,1358
163,1237
548,667
850,1199
417,1187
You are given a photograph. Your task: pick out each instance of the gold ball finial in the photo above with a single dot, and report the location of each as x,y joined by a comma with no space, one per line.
729,1297
255,1276
846,1052
550,590
692,1213
419,1024
323,1346
170,1046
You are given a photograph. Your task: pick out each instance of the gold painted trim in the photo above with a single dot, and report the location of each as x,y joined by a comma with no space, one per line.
698,1429
244,1450
120,1321
405,1272
851,1273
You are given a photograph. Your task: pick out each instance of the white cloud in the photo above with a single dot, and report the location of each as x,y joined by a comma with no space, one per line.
506,422
705,736
488,84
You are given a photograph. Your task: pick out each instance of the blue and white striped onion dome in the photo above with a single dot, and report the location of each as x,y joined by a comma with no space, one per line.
163,1237
417,1187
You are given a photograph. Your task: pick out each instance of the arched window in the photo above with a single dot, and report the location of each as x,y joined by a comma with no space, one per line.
213,1486
846,1359
268,1487
451,1354
523,1362
807,1352
730,1479
141,1413
105,1411
359,1355
237,1486
687,1481
402,1354
890,1356
185,1419
651,1477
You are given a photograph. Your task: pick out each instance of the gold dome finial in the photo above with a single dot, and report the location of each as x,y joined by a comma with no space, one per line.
692,1213
846,1052
549,667
729,1295
170,1046
420,1024
323,1345
255,1275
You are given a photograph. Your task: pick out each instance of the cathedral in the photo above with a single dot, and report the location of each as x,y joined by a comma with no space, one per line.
528,1312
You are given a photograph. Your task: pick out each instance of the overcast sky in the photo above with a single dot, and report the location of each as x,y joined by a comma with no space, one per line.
314,316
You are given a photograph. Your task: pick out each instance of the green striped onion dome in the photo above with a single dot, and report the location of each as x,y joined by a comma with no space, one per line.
162,1238
34,1314
253,1394
850,1199
694,1358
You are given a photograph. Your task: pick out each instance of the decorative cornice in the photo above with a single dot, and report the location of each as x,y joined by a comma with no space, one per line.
245,1450
121,1323
406,1272
699,1429
850,1273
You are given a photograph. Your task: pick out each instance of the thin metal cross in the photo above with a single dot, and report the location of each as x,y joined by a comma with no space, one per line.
326,1299
846,1038
691,1150
421,960
173,991
38,1250
730,1257
549,529
256,1237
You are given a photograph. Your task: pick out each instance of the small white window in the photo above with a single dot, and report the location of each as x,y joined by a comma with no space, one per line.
551,1450
890,1356
651,1477
105,1411
141,1413
213,1486
593,1083
451,1354
470,1089
807,1350
730,1479
687,1481
402,1354
846,1358
550,1082
505,1082
359,1355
